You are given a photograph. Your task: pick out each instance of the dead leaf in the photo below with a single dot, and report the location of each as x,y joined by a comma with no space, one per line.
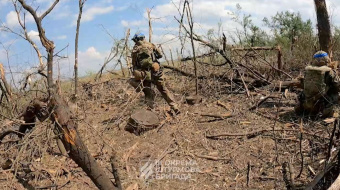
286,93
213,153
226,106
245,122
329,120
133,187
289,125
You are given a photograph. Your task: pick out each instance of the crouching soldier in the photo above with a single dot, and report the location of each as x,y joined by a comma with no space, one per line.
147,71
320,88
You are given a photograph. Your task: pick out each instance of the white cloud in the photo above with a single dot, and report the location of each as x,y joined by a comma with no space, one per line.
3,3
12,19
34,35
123,8
132,23
207,14
89,61
91,13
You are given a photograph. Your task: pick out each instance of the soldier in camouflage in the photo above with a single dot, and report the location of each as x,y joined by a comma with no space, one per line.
147,71
320,88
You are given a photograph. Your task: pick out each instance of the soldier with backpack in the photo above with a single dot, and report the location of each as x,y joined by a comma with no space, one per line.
147,71
320,88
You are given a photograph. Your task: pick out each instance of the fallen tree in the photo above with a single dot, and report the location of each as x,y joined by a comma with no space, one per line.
336,184
295,83
57,110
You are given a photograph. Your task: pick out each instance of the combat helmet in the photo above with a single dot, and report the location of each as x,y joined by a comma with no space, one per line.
138,36
321,58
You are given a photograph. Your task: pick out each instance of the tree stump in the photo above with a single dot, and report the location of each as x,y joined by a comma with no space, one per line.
142,121
194,99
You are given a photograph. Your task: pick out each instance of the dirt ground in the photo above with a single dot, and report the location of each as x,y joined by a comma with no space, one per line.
236,161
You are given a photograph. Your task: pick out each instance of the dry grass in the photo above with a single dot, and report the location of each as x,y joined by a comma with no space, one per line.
103,112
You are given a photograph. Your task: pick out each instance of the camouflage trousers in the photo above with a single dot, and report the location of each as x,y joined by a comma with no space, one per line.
144,80
311,106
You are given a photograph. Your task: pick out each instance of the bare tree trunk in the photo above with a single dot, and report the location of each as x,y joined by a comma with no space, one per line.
121,67
113,53
324,26
75,146
49,45
126,46
61,114
125,49
8,91
224,39
279,58
171,56
81,5
66,129
191,25
166,59
336,184
150,25
127,58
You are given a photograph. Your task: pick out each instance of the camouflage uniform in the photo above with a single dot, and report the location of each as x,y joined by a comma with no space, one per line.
320,93
146,73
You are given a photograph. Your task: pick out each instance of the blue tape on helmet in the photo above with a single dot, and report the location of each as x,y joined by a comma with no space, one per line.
320,55
140,35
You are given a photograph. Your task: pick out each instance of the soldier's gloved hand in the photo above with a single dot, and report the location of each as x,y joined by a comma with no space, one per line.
155,67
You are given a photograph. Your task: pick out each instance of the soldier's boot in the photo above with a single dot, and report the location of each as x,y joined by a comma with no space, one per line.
136,84
175,109
167,95
328,111
149,95
330,105
299,109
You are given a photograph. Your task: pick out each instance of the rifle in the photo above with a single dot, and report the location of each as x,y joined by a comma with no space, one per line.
154,57
155,60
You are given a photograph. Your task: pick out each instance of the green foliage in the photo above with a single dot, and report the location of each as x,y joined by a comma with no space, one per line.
251,35
288,27
336,44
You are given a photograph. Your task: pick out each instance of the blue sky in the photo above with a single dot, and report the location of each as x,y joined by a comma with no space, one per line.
118,15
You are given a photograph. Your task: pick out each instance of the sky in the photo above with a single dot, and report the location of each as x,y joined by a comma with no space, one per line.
101,17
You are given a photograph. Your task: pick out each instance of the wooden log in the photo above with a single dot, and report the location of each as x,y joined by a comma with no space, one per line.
324,26
279,58
222,116
74,144
262,101
296,83
335,185
114,167
288,176
8,91
178,70
254,48
66,130
8,132
256,133
199,56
